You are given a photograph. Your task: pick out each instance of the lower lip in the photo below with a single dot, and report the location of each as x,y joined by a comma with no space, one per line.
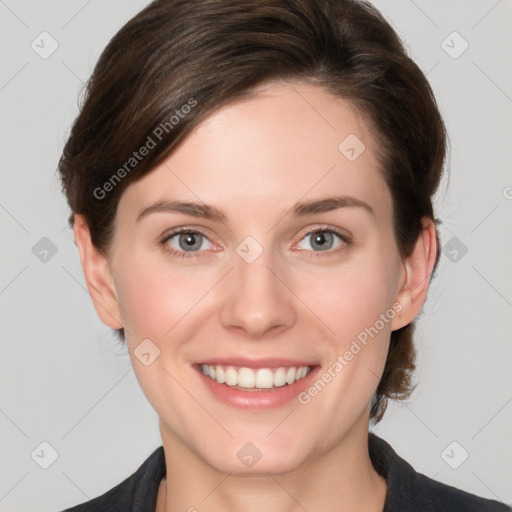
257,400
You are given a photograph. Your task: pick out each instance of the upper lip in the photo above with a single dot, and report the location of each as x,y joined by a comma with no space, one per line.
267,362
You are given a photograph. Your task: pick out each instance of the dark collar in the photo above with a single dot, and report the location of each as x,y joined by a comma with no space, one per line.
407,489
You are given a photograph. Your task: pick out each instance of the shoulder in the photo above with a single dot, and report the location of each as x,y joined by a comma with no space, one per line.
137,493
410,490
441,497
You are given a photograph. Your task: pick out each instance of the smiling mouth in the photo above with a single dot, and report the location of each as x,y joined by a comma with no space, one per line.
249,379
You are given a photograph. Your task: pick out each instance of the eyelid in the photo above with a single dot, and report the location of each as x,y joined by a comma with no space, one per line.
184,229
342,233
345,237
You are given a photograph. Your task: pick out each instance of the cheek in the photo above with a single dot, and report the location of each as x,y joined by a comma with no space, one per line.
154,297
353,298
357,307
159,299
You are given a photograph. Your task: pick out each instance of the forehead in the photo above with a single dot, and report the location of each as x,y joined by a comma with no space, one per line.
287,142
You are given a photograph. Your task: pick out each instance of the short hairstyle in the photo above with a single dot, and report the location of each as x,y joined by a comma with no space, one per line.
178,61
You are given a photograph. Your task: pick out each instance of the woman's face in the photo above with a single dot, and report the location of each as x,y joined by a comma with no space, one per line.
251,289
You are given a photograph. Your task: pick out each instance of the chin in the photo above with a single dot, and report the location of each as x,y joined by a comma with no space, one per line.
275,463
253,455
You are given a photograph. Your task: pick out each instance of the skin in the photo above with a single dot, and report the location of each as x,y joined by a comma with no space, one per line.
254,159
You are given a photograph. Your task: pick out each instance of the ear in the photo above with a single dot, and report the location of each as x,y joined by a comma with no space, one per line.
417,269
97,274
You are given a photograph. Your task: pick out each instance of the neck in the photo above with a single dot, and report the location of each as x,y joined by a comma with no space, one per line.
342,479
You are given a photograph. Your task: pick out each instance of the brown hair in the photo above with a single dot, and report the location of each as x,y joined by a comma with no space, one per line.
177,61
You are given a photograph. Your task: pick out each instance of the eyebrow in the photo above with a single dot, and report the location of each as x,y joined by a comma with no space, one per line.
205,211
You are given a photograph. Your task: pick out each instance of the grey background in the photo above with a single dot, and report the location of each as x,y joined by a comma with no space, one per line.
64,380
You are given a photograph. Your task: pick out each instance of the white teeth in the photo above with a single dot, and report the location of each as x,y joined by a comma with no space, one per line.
220,375
280,377
301,372
246,378
262,378
231,376
290,375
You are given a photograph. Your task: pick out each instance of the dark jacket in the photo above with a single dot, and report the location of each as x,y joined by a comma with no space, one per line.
407,489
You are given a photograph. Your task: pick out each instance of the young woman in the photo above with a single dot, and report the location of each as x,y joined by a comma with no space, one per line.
251,191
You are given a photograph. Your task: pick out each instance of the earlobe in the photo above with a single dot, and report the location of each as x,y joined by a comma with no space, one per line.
418,267
97,276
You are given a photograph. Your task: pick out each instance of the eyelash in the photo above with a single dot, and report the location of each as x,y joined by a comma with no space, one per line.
196,254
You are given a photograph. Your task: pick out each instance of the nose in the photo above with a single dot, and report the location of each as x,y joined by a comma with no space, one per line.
258,301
